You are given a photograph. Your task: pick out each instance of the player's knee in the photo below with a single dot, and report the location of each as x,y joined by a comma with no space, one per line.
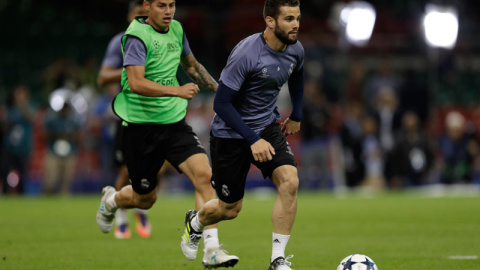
204,174
287,180
202,178
291,185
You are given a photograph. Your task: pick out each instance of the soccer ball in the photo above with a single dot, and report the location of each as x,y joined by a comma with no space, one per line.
357,262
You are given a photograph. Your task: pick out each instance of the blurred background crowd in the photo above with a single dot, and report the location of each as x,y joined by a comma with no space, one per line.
389,110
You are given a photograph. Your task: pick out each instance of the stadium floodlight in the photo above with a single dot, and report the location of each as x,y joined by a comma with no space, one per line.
79,103
13,179
58,98
358,17
441,26
61,96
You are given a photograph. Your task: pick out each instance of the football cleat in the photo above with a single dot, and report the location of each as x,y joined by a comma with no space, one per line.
142,225
122,232
191,238
281,264
105,215
218,257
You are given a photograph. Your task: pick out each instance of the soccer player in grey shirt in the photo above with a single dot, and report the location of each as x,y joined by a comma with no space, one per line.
245,128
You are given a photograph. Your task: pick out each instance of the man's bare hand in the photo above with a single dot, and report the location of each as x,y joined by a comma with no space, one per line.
262,151
188,91
290,127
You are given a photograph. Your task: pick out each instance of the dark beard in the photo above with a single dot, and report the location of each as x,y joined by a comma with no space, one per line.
283,37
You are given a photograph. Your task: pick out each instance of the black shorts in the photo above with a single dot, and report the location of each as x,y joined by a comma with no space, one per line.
118,159
231,159
147,146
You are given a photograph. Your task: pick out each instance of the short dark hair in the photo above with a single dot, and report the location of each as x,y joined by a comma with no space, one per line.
272,7
133,4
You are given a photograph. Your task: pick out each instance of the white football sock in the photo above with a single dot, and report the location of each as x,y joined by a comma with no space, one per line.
121,217
279,242
196,225
111,204
210,238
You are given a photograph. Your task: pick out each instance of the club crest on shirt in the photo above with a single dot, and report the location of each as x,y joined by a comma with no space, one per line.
264,73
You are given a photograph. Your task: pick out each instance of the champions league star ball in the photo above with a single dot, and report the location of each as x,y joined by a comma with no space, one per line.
357,262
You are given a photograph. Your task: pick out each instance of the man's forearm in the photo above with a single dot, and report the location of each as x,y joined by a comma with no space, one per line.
200,75
150,88
109,75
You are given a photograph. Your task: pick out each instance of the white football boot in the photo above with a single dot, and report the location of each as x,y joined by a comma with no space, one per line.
281,264
105,215
190,238
218,257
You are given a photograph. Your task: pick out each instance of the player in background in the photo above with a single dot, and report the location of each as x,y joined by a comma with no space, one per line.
111,73
245,131
153,106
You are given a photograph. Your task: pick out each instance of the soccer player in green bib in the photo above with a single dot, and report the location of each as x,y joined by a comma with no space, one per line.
153,106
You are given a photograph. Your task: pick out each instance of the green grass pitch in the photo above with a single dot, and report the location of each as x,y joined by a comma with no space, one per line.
398,231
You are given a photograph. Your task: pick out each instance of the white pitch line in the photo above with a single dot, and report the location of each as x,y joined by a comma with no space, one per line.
463,257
